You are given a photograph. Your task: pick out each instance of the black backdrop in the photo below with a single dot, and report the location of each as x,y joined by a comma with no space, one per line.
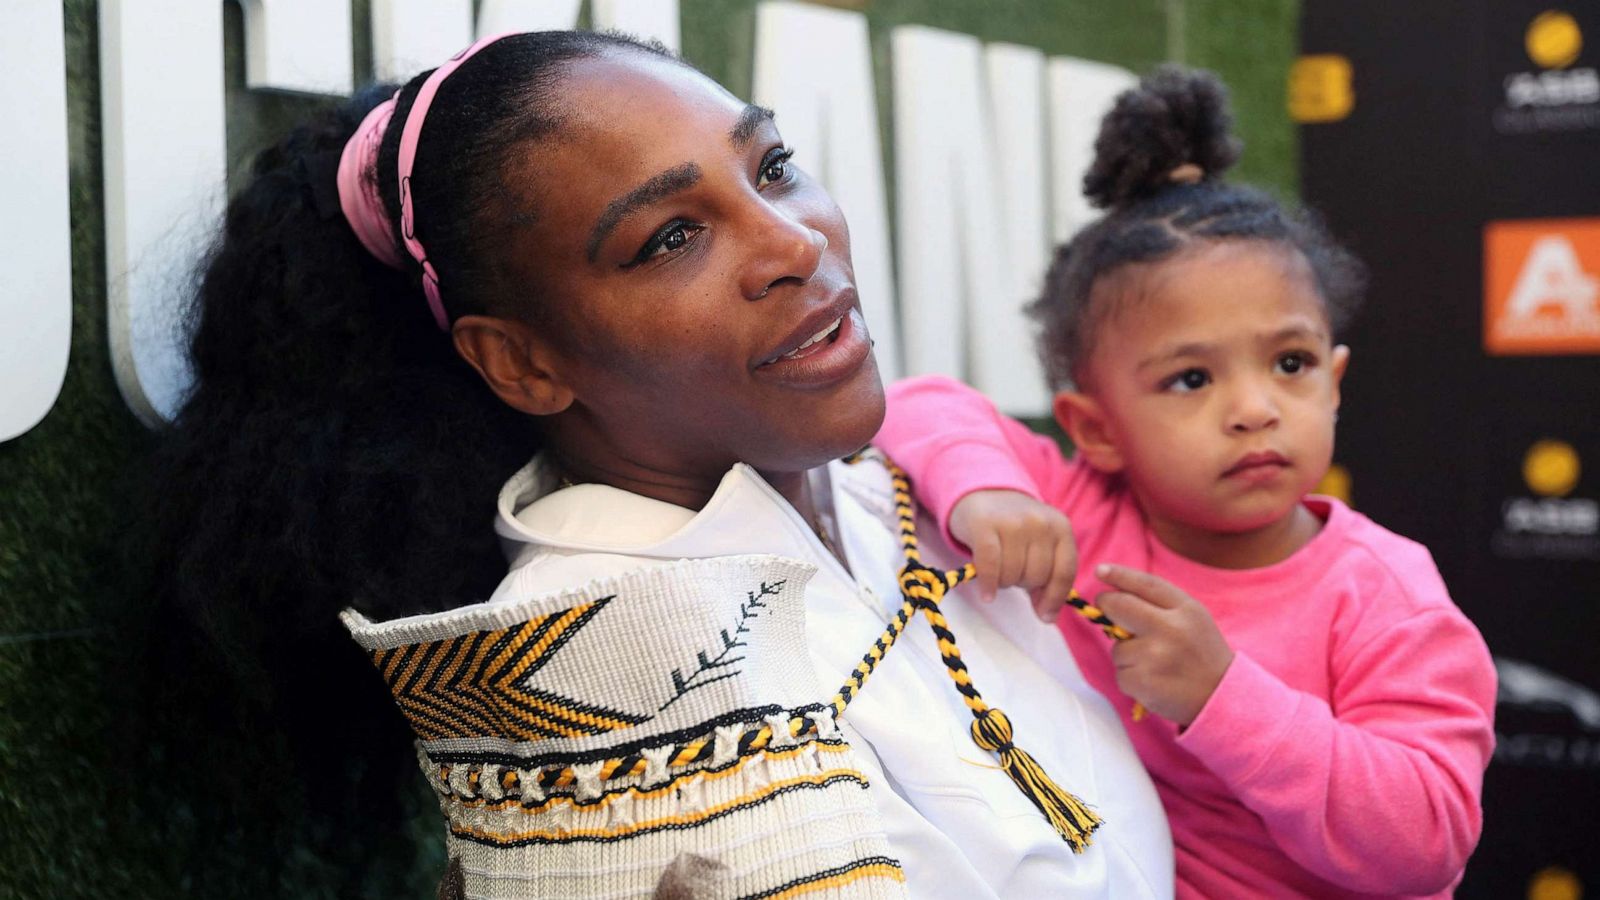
1466,113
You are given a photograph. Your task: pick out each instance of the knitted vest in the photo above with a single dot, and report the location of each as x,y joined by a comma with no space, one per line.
661,733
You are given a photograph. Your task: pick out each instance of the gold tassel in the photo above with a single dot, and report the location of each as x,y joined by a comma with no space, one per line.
921,589
1072,818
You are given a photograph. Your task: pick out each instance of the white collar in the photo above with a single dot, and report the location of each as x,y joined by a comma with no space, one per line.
744,515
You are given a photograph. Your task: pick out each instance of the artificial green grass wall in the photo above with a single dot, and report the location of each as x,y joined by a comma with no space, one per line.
76,824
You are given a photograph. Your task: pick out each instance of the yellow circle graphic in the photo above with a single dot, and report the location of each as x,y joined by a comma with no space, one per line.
1551,468
1554,883
1554,39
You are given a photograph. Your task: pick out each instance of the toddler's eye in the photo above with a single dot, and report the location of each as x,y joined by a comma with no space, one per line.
1294,363
775,167
1188,380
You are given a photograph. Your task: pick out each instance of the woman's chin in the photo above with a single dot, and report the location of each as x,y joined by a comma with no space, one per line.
847,422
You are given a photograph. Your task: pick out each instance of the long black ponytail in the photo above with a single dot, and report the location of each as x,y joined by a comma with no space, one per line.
334,450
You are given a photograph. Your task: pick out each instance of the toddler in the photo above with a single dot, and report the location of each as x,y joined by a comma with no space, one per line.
1322,710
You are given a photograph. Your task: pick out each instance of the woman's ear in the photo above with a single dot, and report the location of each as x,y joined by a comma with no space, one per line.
1084,420
517,364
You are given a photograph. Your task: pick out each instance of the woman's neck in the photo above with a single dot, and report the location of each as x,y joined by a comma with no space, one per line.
691,491
795,489
1264,546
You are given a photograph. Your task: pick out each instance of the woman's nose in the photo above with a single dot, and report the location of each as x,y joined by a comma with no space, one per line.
783,248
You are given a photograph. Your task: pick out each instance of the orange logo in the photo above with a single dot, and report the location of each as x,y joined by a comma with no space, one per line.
1541,287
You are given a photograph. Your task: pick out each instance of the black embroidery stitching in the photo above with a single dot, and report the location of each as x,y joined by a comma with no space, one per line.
702,674
568,758
847,777
825,874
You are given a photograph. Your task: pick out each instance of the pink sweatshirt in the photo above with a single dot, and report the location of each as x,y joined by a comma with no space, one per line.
1342,754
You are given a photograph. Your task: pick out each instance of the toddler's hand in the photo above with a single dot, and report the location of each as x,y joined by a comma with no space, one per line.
1176,657
1018,541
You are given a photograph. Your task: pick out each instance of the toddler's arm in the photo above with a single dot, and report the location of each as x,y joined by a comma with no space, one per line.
1377,788
952,441
991,483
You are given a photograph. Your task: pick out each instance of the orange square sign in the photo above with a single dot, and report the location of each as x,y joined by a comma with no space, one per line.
1541,287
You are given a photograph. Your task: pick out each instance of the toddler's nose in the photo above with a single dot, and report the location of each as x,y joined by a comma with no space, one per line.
1253,410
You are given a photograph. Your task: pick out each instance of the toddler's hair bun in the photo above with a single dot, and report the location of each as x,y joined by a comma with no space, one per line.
1176,116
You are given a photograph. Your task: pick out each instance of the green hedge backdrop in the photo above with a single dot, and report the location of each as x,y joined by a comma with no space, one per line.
88,812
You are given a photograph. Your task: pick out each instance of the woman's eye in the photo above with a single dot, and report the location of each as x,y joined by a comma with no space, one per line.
775,167
1294,363
668,240
1188,380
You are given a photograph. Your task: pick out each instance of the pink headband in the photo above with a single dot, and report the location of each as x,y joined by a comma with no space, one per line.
359,197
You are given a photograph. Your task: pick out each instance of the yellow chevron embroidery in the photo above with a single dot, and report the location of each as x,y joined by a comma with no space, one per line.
473,685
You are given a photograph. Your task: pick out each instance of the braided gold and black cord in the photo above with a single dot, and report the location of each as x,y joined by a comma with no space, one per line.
921,590
1113,630
1094,614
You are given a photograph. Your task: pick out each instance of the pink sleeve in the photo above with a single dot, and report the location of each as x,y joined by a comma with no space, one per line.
1379,791
951,441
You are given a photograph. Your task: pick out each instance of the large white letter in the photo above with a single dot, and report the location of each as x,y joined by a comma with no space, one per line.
35,235
1081,93
162,108
495,16
959,298
814,66
1016,96
298,45
656,19
409,36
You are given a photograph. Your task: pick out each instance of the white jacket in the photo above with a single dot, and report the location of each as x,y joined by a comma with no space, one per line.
924,804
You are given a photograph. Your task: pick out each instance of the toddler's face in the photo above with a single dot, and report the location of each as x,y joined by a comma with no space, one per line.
1219,382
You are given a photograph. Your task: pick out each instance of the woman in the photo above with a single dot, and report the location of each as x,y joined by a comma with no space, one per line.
663,311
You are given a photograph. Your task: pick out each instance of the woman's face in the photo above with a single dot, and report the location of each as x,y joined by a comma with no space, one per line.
699,287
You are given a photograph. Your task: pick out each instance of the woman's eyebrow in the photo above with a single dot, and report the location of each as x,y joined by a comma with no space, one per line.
749,120
671,181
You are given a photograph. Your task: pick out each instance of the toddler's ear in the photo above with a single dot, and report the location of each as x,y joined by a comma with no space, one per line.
1341,361
1082,418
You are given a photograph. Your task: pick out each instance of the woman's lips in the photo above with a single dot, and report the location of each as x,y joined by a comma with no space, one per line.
813,344
830,355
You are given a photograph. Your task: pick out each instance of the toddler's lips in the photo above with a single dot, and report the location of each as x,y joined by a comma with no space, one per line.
1257,464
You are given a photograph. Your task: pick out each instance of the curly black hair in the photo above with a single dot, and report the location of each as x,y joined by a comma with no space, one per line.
1176,117
334,450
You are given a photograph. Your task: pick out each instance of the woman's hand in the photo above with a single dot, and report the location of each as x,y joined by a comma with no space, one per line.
1176,657
1017,541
